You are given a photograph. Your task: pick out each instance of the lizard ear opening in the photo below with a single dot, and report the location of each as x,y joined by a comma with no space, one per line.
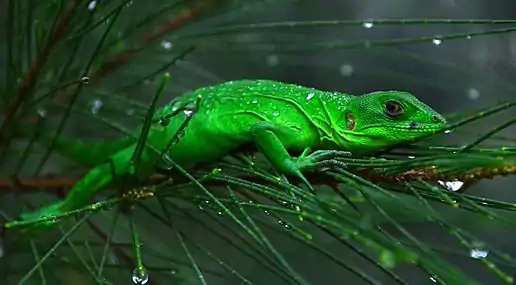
351,121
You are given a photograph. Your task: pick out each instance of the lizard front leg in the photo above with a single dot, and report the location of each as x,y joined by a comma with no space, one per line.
265,135
94,181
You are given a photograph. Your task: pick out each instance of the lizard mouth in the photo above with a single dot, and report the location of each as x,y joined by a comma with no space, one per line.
410,127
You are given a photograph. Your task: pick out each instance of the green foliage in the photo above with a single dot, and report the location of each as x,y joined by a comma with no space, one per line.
95,67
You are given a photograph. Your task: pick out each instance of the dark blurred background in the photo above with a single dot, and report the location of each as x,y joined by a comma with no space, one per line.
466,74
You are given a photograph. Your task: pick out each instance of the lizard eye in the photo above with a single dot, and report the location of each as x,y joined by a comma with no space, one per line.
393,108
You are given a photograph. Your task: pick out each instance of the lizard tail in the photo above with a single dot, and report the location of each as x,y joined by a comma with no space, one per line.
84,153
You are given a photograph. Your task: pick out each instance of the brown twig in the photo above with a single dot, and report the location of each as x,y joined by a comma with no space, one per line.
51,185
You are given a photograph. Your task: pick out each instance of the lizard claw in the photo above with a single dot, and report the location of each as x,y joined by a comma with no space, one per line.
310,161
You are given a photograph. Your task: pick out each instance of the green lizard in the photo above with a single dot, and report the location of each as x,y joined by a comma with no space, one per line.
277,117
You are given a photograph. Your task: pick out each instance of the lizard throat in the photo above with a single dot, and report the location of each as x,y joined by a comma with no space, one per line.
351,121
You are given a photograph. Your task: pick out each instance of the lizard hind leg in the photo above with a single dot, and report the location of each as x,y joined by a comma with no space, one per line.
95,180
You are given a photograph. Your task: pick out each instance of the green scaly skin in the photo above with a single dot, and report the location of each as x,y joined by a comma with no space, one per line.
277,117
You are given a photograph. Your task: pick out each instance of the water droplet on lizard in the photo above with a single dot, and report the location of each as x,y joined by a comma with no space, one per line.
175,106
275,114
310,96
140,276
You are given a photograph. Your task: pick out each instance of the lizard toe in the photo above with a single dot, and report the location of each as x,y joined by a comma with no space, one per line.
319,157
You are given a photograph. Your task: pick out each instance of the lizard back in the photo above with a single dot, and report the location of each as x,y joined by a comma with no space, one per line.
227,112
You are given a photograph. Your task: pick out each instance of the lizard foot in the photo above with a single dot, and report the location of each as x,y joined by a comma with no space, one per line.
311,160
49,211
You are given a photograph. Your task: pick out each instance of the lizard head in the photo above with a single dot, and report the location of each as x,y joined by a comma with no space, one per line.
378,120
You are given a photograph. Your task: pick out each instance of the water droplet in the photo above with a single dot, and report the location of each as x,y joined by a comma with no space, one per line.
254,101
85,80
42,113
92,5
411,157
275,114
166,45
310,96
451,185
346,70
478,250
267,213
219,213
207,201
433,279
367,24
468,37
97,104
272,60
437,41
50,218
188,112
164,122
473,94
96,206
200,207
448,131
140,276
